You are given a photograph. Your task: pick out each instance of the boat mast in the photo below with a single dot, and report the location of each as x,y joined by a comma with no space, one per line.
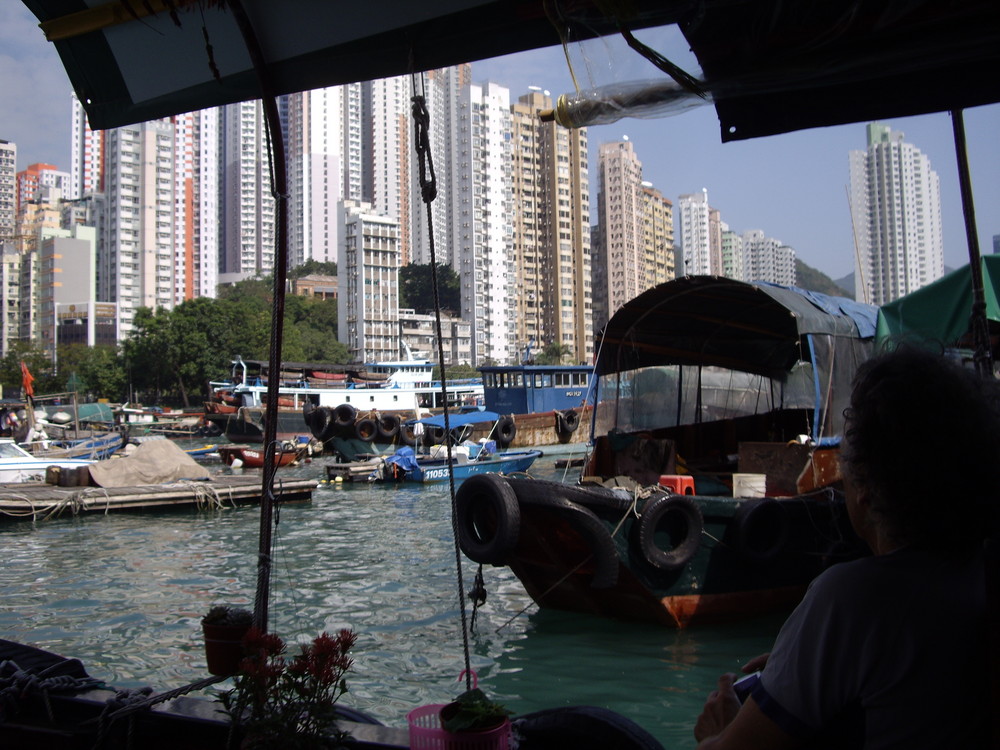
279,189
982,355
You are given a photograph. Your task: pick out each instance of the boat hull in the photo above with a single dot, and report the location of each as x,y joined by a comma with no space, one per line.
584,549
438,470
253,458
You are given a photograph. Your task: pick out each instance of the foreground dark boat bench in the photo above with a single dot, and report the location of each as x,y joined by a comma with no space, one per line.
34,501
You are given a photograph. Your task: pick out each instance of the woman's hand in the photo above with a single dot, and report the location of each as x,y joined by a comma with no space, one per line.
719,710
755,664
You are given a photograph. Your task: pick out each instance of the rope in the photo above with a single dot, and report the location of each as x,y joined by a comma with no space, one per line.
428,192
16,683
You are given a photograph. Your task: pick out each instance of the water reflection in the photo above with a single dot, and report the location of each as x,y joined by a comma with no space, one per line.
124,593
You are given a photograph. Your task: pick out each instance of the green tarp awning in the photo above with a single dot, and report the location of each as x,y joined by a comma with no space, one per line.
941,311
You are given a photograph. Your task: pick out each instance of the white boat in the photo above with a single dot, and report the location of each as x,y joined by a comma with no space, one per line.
17,465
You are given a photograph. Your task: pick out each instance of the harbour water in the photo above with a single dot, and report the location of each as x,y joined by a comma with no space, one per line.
125,592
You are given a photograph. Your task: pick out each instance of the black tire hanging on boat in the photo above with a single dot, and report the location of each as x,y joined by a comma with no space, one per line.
680,518
488,518
406,435
434,435
344,416
567,421
388,428
505,431
308,409
762,528
321,423
365,429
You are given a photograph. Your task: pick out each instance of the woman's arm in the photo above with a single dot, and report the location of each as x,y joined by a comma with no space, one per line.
726,725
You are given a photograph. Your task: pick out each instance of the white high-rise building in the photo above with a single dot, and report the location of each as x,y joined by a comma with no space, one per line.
8,188
389,151
896,213
767,259
368,295
695,232
205,217
248,207
486,250
732,254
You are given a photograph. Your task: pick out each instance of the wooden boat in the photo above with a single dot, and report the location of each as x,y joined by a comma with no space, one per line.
252,457
693,505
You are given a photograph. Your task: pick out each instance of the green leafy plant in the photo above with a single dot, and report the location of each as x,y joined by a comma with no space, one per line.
226,616
290,702
472,711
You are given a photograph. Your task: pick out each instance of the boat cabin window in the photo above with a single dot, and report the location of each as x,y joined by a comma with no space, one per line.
9,450
562,379
542,380
580,378
516,380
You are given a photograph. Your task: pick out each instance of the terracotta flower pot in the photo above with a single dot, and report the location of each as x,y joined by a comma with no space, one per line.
224,648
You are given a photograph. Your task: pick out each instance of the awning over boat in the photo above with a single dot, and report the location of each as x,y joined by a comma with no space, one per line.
458,419
753,327
940,311
771,66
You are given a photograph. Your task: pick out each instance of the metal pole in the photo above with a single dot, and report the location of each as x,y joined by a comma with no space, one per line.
982,355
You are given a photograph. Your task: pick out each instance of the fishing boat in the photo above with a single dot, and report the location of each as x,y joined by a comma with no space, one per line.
541,404
17,465
711,489
401,388
252,457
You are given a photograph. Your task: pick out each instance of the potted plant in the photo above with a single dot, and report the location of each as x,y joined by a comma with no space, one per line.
472,711
224,627
289,702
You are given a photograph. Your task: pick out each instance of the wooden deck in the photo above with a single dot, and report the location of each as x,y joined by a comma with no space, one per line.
40,501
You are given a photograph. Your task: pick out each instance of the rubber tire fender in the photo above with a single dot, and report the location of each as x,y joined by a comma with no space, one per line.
406,436
433,435
345,415
506,431
321,423
488,517
387,428
582,728
589,526
567,421
366,429
680,510
762,528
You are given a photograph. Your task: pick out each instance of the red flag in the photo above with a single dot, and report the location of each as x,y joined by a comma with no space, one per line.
26,380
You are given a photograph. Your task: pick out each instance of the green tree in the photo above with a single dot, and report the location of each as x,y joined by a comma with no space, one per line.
313,267
99,369
554,354
38,363
417,292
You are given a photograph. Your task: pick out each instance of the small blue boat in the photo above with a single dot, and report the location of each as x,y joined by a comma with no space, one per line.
467,460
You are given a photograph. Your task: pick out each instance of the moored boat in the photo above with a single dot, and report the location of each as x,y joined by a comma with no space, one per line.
711,489
542,404
17,465
252,456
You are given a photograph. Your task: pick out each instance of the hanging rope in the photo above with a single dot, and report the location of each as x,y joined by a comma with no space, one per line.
428,192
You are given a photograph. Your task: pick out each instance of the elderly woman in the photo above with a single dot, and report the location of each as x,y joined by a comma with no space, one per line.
890,650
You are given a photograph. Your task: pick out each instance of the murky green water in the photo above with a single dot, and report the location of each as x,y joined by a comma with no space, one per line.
124,593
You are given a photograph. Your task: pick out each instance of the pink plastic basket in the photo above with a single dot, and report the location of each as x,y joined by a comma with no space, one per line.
426,733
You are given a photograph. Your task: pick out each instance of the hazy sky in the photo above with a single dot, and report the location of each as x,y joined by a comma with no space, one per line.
791,186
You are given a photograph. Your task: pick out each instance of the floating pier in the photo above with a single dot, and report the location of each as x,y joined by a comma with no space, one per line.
41,501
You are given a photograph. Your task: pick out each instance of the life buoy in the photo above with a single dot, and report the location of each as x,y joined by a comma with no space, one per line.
505,431
388,428
762,528
668,532
567,422
365,429
344,416
488,518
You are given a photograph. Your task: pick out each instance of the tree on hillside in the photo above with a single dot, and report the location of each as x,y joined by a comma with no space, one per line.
815,280
312,267
417,292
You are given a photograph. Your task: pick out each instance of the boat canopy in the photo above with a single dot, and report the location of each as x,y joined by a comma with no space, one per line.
769,66
940,311
754,327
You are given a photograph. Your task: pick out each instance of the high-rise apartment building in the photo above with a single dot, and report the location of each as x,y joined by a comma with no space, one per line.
388,152
8,188
732,254
247,207
368,286
657,236
551,222
896,210
36,176
619,271
767,259
697,232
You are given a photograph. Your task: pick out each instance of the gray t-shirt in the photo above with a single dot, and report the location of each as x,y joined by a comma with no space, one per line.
885,652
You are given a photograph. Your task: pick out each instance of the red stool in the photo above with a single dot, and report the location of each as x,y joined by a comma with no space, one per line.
679,484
